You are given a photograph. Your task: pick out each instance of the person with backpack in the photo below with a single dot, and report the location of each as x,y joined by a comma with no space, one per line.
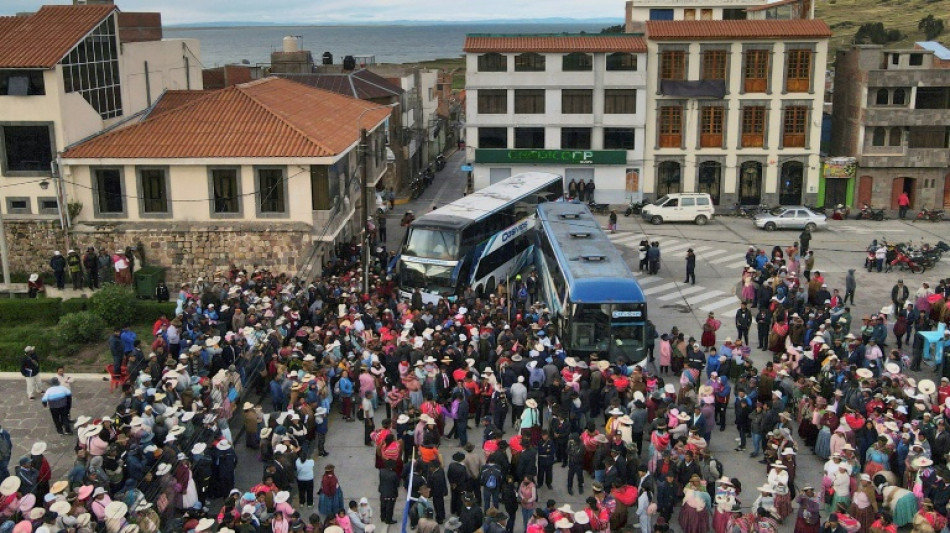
490,478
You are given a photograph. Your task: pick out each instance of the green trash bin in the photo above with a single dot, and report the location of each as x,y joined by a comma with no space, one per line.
146,280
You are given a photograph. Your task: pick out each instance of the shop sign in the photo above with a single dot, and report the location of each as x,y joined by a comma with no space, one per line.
555,157
840,167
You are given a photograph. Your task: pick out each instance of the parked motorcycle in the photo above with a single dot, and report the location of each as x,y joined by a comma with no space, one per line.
841,212
600,209
868,213
906,262
439,162
933,215
635,208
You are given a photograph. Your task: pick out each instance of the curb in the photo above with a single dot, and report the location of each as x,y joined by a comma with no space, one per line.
46,375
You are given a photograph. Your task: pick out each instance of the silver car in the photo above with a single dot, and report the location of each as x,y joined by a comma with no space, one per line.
790,217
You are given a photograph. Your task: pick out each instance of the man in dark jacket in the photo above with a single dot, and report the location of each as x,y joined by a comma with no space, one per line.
690,267
117,349
687,468
435,479
805,239
90,262
899,294
546,460
743,322
388,491
460,482
743,422
58,264
471,515
527,462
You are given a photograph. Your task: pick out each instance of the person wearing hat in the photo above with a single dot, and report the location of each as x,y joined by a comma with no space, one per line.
253,420
30,370
808,520
59,399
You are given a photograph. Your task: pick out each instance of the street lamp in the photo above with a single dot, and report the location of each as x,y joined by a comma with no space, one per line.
364,162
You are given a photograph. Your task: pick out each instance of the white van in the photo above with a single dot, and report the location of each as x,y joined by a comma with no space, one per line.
680,207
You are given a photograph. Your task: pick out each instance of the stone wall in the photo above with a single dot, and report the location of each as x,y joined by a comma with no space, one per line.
186,250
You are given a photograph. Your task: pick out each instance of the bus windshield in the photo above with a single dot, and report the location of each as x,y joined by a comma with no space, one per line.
432,244
434,278
628,340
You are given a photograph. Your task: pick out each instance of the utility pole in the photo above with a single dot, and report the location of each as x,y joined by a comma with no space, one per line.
4,255
364,199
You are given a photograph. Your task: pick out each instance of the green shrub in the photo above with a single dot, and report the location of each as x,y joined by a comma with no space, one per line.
14,311
114,304
23,277
11,349
147,311
80,328
75,305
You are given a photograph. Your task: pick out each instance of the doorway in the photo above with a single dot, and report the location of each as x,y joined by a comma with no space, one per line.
903,185
750,183
836,192
791,181
946,191
710,179
865,189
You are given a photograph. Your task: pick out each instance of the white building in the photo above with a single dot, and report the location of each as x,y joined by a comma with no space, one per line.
574,105
640,11
68,72
734,109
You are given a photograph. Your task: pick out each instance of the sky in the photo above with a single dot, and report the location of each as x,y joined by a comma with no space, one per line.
351,11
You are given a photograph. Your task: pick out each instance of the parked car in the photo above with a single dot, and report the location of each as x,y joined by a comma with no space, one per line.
790,217
680,207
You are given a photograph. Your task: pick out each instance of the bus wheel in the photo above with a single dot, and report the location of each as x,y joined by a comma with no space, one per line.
490,287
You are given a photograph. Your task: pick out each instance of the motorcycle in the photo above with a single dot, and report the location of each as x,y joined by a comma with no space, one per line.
841,212
933,215
905,262
635,208
439,162
600,209
868,213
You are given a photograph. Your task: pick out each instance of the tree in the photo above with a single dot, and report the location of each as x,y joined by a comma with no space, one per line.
613,29
931,26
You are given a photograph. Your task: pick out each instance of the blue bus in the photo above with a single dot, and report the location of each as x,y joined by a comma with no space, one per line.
476,241
596,301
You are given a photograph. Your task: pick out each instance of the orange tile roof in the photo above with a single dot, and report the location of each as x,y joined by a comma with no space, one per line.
272,117
42,39
664,30
501,43
174,99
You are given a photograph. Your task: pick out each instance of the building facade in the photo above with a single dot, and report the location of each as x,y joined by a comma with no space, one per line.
243,175
573,105
734,109
68,72
891,111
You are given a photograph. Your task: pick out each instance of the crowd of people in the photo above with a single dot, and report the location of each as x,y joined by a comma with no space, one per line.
633,440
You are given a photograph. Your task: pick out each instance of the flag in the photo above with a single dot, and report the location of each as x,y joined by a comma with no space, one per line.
405,511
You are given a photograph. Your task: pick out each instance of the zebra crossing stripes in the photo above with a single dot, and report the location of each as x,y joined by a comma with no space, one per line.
660,288
685,291
693,300
732,300
648,280
731,257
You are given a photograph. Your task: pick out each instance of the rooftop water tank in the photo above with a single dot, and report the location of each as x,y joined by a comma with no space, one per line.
290,44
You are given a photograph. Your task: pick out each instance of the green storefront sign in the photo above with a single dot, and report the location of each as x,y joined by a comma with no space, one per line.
556,157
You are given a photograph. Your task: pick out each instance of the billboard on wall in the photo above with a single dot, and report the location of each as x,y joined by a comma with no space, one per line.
840,167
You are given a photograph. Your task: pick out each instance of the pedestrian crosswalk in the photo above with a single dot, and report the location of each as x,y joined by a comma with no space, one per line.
663,291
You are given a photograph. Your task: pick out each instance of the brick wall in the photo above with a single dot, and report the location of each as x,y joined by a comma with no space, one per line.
187,251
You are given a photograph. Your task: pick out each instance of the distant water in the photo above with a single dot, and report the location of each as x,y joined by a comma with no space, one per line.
390,44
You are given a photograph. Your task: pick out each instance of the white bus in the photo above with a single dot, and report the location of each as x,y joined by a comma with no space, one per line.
476,241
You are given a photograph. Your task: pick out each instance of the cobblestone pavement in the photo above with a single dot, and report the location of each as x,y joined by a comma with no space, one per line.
28,421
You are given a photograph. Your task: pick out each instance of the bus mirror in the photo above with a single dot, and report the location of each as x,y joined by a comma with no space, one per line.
593,258
581,235
571,216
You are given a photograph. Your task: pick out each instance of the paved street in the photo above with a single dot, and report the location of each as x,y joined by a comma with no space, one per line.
720,247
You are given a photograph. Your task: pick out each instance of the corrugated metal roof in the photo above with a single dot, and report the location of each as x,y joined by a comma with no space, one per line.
940,51
42,39
736,29
358,84
272,117
480,43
